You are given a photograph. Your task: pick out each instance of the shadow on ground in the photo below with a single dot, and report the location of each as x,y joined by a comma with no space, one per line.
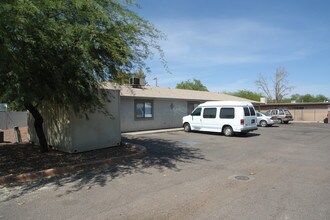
161,154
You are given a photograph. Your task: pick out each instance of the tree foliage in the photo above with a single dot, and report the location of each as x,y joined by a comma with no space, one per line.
309,98
192,85
57,53
279,87
246,94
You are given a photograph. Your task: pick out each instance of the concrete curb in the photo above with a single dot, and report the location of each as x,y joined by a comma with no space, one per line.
27,177
153,131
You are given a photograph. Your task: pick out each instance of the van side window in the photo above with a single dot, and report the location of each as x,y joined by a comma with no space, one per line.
197,112
246,111
281,112
252,111
209,112
227,113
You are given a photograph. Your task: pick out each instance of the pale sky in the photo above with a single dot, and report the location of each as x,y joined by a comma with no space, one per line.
227,44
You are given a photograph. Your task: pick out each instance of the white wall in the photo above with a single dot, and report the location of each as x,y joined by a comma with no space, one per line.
166,114
12,119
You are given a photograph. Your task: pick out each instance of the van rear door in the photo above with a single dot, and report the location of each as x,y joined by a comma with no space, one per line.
249,116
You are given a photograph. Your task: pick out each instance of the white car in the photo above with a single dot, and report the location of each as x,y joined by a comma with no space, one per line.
264,119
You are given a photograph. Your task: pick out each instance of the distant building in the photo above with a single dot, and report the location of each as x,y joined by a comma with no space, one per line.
306,111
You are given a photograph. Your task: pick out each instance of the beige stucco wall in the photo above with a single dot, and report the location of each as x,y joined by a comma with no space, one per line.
70,133
166,114
309,114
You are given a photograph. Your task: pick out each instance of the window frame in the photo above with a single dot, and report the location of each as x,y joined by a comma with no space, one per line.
144,102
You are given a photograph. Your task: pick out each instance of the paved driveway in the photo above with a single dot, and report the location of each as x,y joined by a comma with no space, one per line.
278,172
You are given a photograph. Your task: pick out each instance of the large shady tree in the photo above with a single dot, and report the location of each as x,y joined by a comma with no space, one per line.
58,53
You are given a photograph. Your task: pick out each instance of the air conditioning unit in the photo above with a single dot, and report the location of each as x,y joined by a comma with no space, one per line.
137,82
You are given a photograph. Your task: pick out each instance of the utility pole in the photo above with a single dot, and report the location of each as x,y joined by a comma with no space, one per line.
155,78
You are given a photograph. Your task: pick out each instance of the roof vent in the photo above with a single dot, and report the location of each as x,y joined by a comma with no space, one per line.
263,100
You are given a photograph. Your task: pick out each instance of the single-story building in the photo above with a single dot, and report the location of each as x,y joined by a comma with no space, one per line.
150,107
131,109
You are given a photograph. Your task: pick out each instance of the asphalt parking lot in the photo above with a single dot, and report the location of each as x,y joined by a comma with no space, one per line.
280,172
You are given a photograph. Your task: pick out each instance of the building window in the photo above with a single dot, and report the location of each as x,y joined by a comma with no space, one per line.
143,109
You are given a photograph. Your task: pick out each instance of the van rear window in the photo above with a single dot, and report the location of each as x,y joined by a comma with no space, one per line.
227,113
252,111
246,111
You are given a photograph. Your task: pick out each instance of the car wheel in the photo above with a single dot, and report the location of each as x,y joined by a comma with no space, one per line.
186,127
279,120
286,122
228,131
263,123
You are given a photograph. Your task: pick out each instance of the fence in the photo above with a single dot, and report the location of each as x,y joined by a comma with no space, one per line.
12,119
309,114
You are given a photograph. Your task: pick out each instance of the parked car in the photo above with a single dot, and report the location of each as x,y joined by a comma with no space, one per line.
264,119
282,115
227,117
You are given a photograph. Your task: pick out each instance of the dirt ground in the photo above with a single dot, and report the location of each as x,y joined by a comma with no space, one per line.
25,157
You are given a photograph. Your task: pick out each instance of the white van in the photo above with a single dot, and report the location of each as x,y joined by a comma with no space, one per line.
228,117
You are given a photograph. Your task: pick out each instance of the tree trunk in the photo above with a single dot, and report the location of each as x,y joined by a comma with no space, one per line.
38,121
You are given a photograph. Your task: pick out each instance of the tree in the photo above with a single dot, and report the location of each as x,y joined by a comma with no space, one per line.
309,98
195,85
58,53
246,94
279,88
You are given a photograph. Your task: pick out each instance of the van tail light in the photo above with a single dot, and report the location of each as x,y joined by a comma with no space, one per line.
242,121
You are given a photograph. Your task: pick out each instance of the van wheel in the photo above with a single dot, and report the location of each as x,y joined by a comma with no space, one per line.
279,120
263,123
228,131
286,122
186,127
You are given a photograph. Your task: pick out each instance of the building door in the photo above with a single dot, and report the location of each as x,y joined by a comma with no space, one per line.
191,106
